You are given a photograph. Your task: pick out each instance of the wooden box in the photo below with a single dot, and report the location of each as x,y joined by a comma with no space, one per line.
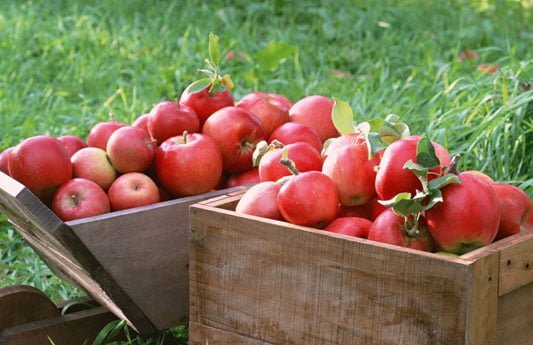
258,281
133,262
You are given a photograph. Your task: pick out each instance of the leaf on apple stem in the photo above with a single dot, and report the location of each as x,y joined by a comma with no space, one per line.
420,171
404,205
425,154
342,116
379,133
393,129
214,49
262,148
199,85
442,181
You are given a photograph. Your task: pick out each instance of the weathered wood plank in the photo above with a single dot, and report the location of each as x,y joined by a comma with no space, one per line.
283,284
515,317
22,304
208,335
482,305
74,328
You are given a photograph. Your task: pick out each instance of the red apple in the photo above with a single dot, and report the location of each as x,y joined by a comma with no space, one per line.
42,164
333,144
468,218
353,173
281,99
80,198
92,163
244,178
309,199
351,226
131,149
270,111
236,132
169,119
304,156
100,133
261,200
315,112
361,211
392,178
293,132
141,122
484,176
188,164
205,103
72,143
131,190
514,206
4,156
390,228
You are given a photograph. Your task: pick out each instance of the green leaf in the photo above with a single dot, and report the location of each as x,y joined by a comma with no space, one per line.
420,171
393,129
425,154
342,116
442,181
273,55
374,143
214,49
375,124
199,85
434,197
403,205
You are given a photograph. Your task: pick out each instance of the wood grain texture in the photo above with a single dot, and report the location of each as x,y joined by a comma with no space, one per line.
210,335
22,304
515,317
282,284
482,308
74,328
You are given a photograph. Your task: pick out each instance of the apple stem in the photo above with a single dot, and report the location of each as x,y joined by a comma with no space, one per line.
454,164
289,163
185,137
411,225
75,199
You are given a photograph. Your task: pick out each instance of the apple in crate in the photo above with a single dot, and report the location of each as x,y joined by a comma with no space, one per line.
42,164
189,164
131,149
142,122
168,119
93,164
236,133
261,200
4,155
72,143
205,102
293,132
304,156
246,177
514,206
351,226
80,198
315,112
100,133
272,112
131,190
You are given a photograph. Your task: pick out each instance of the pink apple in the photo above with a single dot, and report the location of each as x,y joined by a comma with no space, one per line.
270,111
304,156
169,119
42,164
351,226
236,132
4,155
131,190
205,103
315,112
141,122
247,177
309,199
353,173
514,206
131,149
188,164
72,143
100,133
93,164
293,132
261,200
80,198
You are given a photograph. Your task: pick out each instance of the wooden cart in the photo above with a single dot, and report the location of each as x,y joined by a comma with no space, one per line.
133,262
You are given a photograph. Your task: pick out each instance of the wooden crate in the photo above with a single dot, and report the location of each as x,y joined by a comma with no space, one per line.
258,281
133,262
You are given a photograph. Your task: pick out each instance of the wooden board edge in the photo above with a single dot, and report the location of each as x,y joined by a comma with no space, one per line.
67,329
481,317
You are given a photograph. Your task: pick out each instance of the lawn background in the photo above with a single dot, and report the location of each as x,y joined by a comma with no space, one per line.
66,65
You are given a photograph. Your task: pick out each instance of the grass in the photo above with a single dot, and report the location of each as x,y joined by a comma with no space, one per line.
67,65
